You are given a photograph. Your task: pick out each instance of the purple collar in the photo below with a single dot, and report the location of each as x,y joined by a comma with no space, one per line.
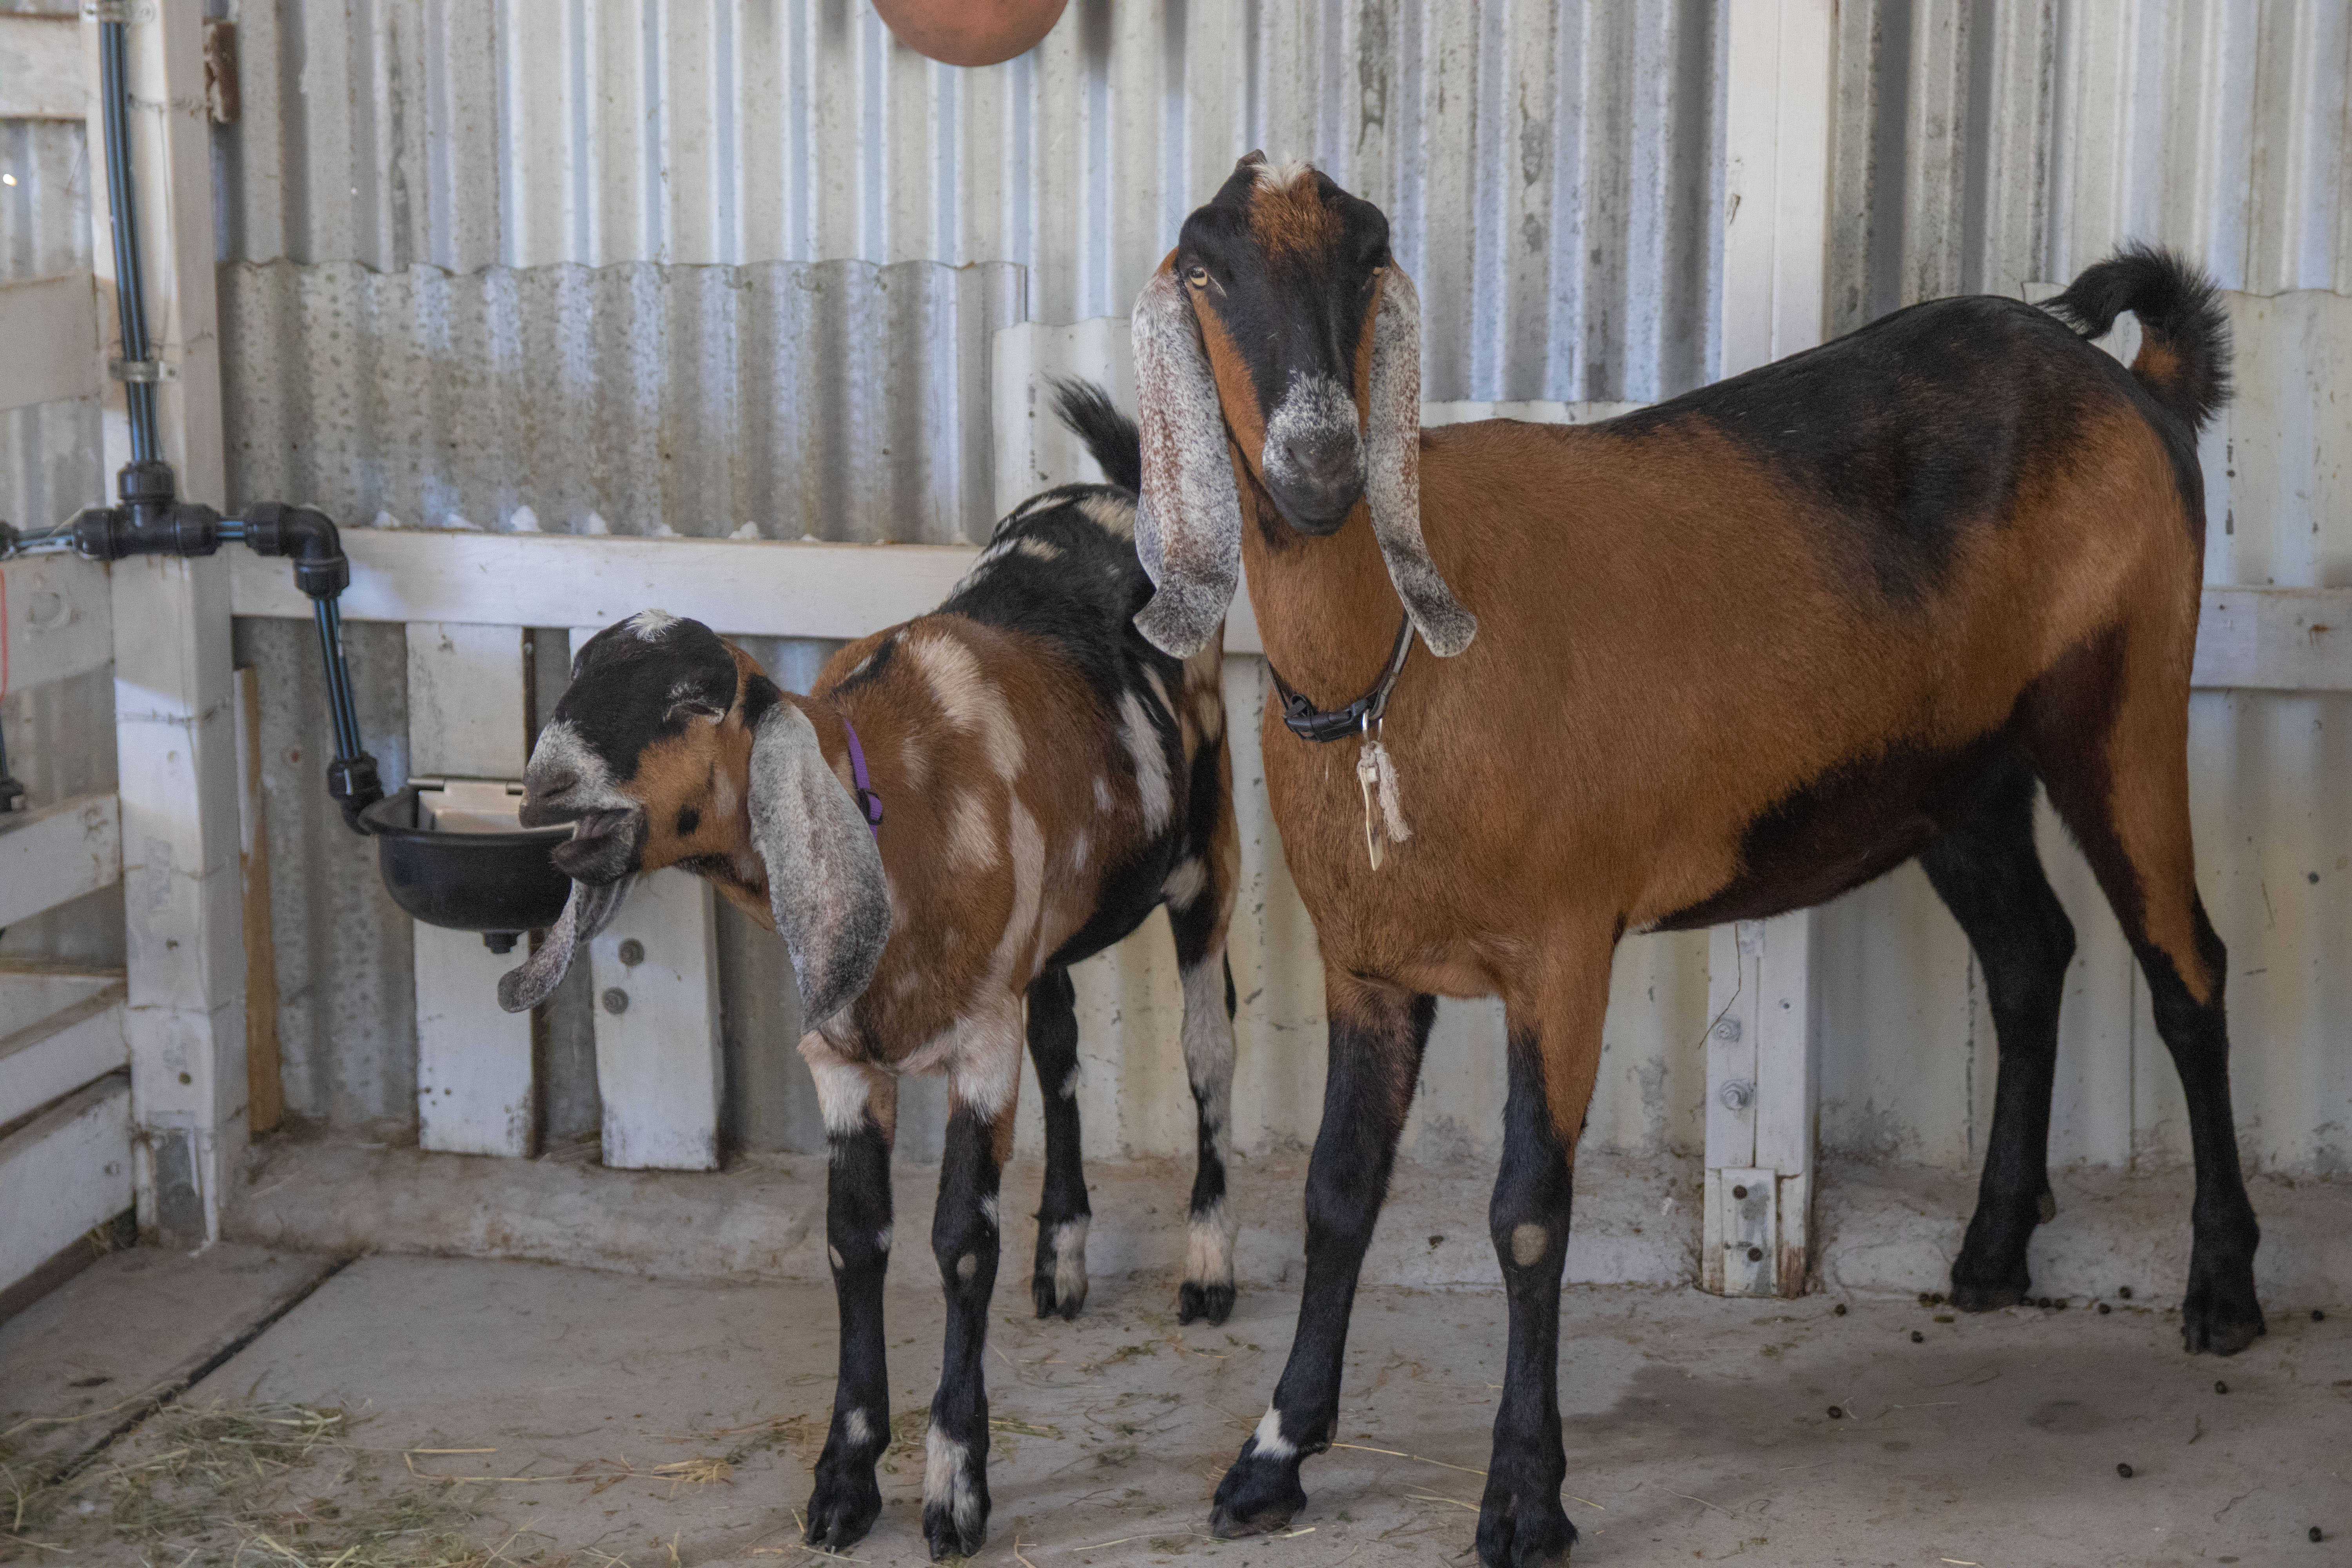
869,804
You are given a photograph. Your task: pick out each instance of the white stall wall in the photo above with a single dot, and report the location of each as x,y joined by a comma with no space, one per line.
526,264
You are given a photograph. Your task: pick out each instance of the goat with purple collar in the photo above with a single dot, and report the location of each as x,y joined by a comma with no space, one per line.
962,808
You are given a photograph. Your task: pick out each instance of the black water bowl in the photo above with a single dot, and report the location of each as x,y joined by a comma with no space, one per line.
448,861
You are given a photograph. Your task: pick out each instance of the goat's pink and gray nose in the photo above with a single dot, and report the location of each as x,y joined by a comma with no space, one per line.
1314,458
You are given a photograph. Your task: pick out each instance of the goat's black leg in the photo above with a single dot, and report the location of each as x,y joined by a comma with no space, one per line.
1205,886
1989,875
860,1116
965,1240
2112,745
1377,1034
1521,1520
1059,1282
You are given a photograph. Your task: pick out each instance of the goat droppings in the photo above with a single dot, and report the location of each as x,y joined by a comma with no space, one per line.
1918,1338
2104,1308
1837,1413
2125,1471
1838,1310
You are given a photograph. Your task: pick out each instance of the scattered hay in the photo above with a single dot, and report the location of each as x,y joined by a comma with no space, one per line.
247,1486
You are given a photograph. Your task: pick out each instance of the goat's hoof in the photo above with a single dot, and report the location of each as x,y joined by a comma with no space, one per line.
1987,1295
2221,1313
842,1509
1054,1299
1524,1531
1204,1303
1257,1498
948,1539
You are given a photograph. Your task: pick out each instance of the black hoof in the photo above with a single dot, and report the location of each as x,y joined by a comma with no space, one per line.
947,1538
842,1508
1204,1303
1986,1296
1256,1497
1529,1531
2221,1313
1052,1303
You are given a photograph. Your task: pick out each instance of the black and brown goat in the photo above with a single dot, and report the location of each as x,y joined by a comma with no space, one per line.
1734,655
1039,779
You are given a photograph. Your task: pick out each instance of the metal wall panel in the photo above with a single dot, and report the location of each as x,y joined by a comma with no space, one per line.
1552,169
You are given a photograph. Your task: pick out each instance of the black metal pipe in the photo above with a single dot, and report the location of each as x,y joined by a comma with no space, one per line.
129,294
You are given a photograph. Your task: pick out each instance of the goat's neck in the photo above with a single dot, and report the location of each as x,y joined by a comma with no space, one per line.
1327,613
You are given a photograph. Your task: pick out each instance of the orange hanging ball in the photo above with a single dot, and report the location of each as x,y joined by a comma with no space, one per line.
971,32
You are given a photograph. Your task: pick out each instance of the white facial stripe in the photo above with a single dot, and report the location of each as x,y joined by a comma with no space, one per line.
651,626
1282,176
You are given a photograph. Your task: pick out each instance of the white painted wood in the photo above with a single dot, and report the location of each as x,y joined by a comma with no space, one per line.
1780,68
1779,72
657,1062
466,719
56,619
40,67
63,1172
56,853
466,711
474,1086
50,328
174,696
774,588
35,990
61,1054
2276,639
737,587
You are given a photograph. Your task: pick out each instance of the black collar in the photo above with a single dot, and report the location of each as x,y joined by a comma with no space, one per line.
1309,722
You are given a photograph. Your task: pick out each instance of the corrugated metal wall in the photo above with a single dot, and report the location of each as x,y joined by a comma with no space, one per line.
426,201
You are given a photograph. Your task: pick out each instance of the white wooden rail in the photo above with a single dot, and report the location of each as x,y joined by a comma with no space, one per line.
1763,1047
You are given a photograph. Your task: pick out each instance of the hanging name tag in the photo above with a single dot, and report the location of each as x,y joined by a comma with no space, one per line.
1375,774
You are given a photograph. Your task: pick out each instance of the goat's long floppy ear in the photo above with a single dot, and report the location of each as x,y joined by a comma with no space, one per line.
825,874
1187,521
586,914
1393,468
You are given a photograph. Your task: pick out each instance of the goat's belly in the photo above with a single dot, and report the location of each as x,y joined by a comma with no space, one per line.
1854,823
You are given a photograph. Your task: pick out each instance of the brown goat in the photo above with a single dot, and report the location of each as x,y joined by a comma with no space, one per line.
963,806
1733,655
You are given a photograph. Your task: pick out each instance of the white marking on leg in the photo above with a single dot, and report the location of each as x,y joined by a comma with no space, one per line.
947,1478
967,1265
1527,1244
1150,760
1070,1082
882,1241
841,1087
858,1429
1270,1443
1070,1259
987,1211
1208,1247
833,1253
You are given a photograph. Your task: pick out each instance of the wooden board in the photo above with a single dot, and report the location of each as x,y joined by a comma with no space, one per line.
53,854
657,1055
63,1172
476,1092
56,619
265,1087
51,1059
51,336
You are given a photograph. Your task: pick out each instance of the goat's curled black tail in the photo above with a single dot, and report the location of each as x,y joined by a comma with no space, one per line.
2184,357
1109,435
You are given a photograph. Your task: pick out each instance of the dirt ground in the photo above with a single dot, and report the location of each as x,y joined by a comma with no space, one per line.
428,1411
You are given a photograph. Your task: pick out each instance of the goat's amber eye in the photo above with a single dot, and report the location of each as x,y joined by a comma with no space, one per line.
1198,277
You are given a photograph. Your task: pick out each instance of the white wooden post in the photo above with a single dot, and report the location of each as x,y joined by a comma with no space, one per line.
1762,1048
174,698
659,1068
468,720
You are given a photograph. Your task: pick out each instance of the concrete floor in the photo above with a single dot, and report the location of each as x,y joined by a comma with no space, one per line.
658,1422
